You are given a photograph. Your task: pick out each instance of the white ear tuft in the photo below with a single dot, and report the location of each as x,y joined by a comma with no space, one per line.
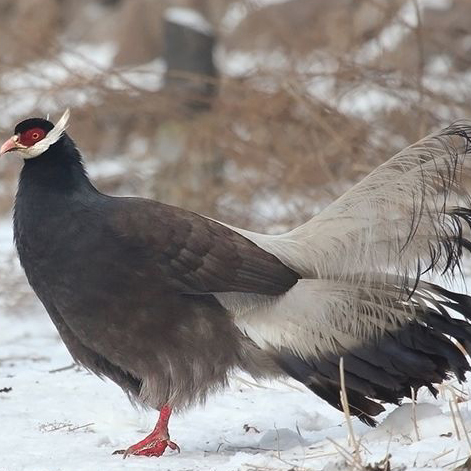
52,137
63,121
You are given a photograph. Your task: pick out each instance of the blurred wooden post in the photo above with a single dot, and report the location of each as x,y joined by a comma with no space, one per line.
189,175
189,42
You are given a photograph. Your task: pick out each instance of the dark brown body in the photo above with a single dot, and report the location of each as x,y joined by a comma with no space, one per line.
123,279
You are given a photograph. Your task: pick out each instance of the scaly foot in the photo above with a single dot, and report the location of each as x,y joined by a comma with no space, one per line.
155,443
151,448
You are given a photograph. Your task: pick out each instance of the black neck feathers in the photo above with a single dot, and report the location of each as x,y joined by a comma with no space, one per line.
59,169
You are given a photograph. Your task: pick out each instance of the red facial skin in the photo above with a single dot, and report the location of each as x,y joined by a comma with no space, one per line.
31,136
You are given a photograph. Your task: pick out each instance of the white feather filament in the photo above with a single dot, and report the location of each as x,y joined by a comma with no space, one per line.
51,138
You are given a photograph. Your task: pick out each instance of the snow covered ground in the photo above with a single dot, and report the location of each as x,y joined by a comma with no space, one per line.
54,418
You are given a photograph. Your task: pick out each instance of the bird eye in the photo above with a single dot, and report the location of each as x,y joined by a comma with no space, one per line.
31,136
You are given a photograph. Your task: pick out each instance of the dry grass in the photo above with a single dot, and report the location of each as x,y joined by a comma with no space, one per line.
271,148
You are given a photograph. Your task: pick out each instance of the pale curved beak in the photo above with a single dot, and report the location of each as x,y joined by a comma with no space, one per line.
10,145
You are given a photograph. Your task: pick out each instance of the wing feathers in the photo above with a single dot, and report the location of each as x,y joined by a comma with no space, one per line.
190,254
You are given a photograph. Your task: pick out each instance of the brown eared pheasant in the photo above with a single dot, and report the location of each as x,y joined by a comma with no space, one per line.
167,303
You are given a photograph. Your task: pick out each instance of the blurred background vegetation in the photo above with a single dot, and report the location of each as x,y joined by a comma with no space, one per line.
257,112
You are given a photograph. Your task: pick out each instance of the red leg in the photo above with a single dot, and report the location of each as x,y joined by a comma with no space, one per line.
157,441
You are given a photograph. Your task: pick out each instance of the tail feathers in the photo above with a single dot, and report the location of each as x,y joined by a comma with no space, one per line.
327,388
362,295
441,349
384,369
410,214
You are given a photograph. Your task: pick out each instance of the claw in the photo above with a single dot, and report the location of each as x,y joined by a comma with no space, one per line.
154,448
173,446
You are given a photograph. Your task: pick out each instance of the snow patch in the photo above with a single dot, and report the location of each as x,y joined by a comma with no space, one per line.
238,11
189,18
281,439
437,4
401,420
